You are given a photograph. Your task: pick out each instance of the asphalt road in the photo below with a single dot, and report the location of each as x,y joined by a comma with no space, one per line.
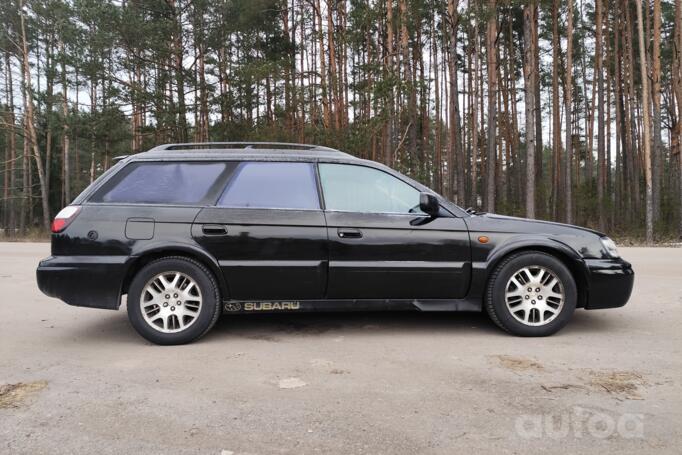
75,380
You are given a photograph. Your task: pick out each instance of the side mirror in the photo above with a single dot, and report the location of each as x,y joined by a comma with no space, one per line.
428,203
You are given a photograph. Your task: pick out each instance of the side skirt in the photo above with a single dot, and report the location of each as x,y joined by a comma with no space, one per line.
276,306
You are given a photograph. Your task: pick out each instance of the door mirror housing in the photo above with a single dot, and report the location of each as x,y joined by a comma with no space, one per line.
428,203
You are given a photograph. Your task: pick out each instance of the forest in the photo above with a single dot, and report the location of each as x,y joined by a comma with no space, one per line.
559,110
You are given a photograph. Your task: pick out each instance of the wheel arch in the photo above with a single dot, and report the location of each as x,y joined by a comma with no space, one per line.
569,257
142,258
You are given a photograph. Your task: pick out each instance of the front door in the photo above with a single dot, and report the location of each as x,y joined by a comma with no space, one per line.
268,233
381,246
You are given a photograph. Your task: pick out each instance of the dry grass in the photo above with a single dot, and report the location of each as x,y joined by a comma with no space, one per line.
637,242
519,363
625,383
32,235
14,395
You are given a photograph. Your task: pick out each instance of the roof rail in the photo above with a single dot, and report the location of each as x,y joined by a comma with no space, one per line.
241,145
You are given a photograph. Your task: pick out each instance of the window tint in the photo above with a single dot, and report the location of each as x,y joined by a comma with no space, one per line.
352,188
111,171
162,183
272,185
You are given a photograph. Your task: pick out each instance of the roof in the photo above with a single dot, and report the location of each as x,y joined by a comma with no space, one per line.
241,150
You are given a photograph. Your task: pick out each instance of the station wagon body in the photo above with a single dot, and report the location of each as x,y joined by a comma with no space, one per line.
256,227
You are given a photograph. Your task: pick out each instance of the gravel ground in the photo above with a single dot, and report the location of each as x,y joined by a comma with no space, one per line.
75,380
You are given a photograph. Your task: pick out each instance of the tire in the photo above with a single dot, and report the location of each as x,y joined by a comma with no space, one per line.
185,309
535,313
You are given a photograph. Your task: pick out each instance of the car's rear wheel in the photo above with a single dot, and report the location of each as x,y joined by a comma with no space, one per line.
531,293
173,300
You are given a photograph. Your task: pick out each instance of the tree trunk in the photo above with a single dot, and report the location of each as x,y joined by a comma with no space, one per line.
601,163
568,95
438,123
631,115
324,72
333,72
529,79
556,113
408,76
178,55
390,99
29,118
11,165
9,160
677,83
646,126
49,82
657,154
491,41
540,194
455,161
66,170
202,127
474,115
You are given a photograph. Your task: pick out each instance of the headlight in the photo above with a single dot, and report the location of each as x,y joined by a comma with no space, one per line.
610,247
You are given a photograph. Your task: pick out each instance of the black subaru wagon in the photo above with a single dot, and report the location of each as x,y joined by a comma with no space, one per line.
192,231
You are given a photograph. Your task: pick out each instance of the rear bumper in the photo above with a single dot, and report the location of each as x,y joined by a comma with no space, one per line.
88,281
609,283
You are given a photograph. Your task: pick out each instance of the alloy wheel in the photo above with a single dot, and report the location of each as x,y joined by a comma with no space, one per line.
170,302
534,295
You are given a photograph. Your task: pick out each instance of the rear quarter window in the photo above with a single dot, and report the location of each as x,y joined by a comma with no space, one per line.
165,183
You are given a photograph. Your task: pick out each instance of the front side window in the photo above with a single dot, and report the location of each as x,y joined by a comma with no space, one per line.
351,188
272,185
162,183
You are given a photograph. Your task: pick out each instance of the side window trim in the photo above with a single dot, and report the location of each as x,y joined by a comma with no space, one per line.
411,215
216,190
229,182
318,184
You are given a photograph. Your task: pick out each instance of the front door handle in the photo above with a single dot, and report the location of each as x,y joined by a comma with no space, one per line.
350,233
214,229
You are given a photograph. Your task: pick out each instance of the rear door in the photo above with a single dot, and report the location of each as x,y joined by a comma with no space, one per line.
381,246
268,232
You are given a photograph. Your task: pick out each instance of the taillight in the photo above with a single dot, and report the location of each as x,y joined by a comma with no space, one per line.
64,218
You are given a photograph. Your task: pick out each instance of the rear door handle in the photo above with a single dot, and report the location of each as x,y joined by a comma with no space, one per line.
349,233
214,229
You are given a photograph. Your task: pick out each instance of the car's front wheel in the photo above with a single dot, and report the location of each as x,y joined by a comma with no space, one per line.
173,300
531,293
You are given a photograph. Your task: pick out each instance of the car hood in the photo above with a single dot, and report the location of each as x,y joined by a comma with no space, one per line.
585,242
539,226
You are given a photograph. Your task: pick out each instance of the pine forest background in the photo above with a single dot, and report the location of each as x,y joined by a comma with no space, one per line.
558,110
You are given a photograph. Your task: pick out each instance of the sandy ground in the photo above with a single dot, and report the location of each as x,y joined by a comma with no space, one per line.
76,380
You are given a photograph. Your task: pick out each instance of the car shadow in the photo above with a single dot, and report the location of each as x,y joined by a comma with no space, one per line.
280,325
111,327
114,327
591,321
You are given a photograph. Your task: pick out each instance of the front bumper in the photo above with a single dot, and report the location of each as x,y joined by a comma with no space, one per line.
609,283
88,281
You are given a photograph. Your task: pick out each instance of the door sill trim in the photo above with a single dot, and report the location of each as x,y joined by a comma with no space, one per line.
278,306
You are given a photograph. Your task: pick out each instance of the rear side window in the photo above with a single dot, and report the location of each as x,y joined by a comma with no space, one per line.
272,186
163,183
